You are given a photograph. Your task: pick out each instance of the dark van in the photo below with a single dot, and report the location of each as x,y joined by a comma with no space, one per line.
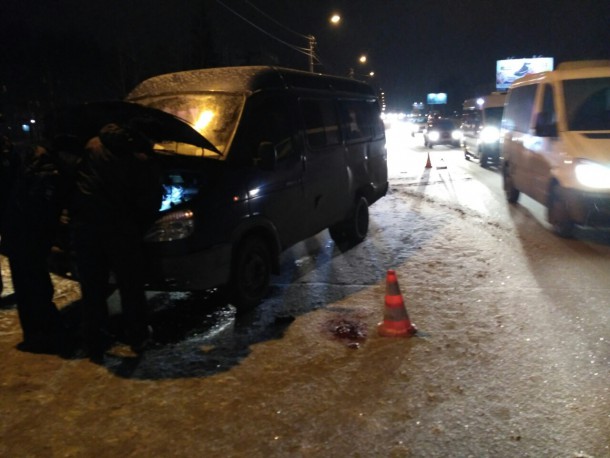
290,153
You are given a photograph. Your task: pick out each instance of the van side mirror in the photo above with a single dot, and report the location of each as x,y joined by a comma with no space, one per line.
267,156
545,126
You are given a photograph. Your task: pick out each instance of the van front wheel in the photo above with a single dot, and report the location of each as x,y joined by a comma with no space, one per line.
251,273
558,215
352,230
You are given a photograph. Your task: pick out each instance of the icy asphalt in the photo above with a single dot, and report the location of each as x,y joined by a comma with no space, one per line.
512,358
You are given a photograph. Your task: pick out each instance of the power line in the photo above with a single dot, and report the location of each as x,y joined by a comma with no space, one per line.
276,22
307,51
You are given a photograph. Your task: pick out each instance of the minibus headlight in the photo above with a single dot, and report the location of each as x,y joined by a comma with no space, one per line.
456,134
592,174
490,134
173,226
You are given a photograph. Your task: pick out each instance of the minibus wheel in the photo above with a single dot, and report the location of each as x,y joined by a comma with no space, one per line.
354,229
558,215
512,193
251,273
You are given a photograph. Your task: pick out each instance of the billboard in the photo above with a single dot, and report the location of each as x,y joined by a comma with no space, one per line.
436,99
509,70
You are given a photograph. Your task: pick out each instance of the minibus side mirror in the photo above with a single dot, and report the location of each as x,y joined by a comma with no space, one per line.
267,156
545,127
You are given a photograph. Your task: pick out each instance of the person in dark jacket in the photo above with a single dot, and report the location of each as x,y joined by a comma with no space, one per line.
8,172
119,195
31,220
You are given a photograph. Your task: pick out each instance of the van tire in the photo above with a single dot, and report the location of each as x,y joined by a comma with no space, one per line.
512,193
251,273
557,214
354,229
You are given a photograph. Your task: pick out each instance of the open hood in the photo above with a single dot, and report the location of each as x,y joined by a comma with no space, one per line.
86,120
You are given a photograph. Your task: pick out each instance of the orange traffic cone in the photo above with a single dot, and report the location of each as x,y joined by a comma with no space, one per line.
396,322
428,163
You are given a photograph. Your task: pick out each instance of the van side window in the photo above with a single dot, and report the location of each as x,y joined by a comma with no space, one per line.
321,122
471,119
378,127
548,104
546,121
269,120
518,112
358,119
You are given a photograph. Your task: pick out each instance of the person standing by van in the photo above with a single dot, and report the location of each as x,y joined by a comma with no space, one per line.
8,171
119,195
37,198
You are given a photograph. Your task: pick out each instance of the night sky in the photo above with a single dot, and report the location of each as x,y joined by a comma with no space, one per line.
64,51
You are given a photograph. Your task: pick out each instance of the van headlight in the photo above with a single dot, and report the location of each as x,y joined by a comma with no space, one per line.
434,135
592,174
456,134
173,226
490,134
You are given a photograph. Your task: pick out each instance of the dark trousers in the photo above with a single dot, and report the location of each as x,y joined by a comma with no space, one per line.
100,251
39,317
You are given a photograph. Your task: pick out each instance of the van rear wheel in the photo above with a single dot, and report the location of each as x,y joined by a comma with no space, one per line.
354,229
251,273
558,215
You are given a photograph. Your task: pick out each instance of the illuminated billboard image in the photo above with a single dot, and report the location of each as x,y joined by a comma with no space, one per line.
436,99
509,70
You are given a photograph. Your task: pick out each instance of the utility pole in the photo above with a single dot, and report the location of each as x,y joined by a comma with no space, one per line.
312,44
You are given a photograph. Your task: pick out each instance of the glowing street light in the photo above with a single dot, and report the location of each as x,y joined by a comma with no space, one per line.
362,59
335,19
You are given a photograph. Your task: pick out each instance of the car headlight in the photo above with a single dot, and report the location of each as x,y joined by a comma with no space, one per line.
456,134
173,226
490,134
434,135
592,174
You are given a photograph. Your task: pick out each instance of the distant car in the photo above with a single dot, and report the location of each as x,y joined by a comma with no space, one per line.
418,125
442,131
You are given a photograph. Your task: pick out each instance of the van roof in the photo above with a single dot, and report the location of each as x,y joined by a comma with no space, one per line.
495,99
247,80
569,70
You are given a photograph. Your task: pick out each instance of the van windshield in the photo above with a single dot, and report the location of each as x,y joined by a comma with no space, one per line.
587,103
493,116
213,115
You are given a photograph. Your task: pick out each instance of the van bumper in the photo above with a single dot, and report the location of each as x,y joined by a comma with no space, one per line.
198,271
589,208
